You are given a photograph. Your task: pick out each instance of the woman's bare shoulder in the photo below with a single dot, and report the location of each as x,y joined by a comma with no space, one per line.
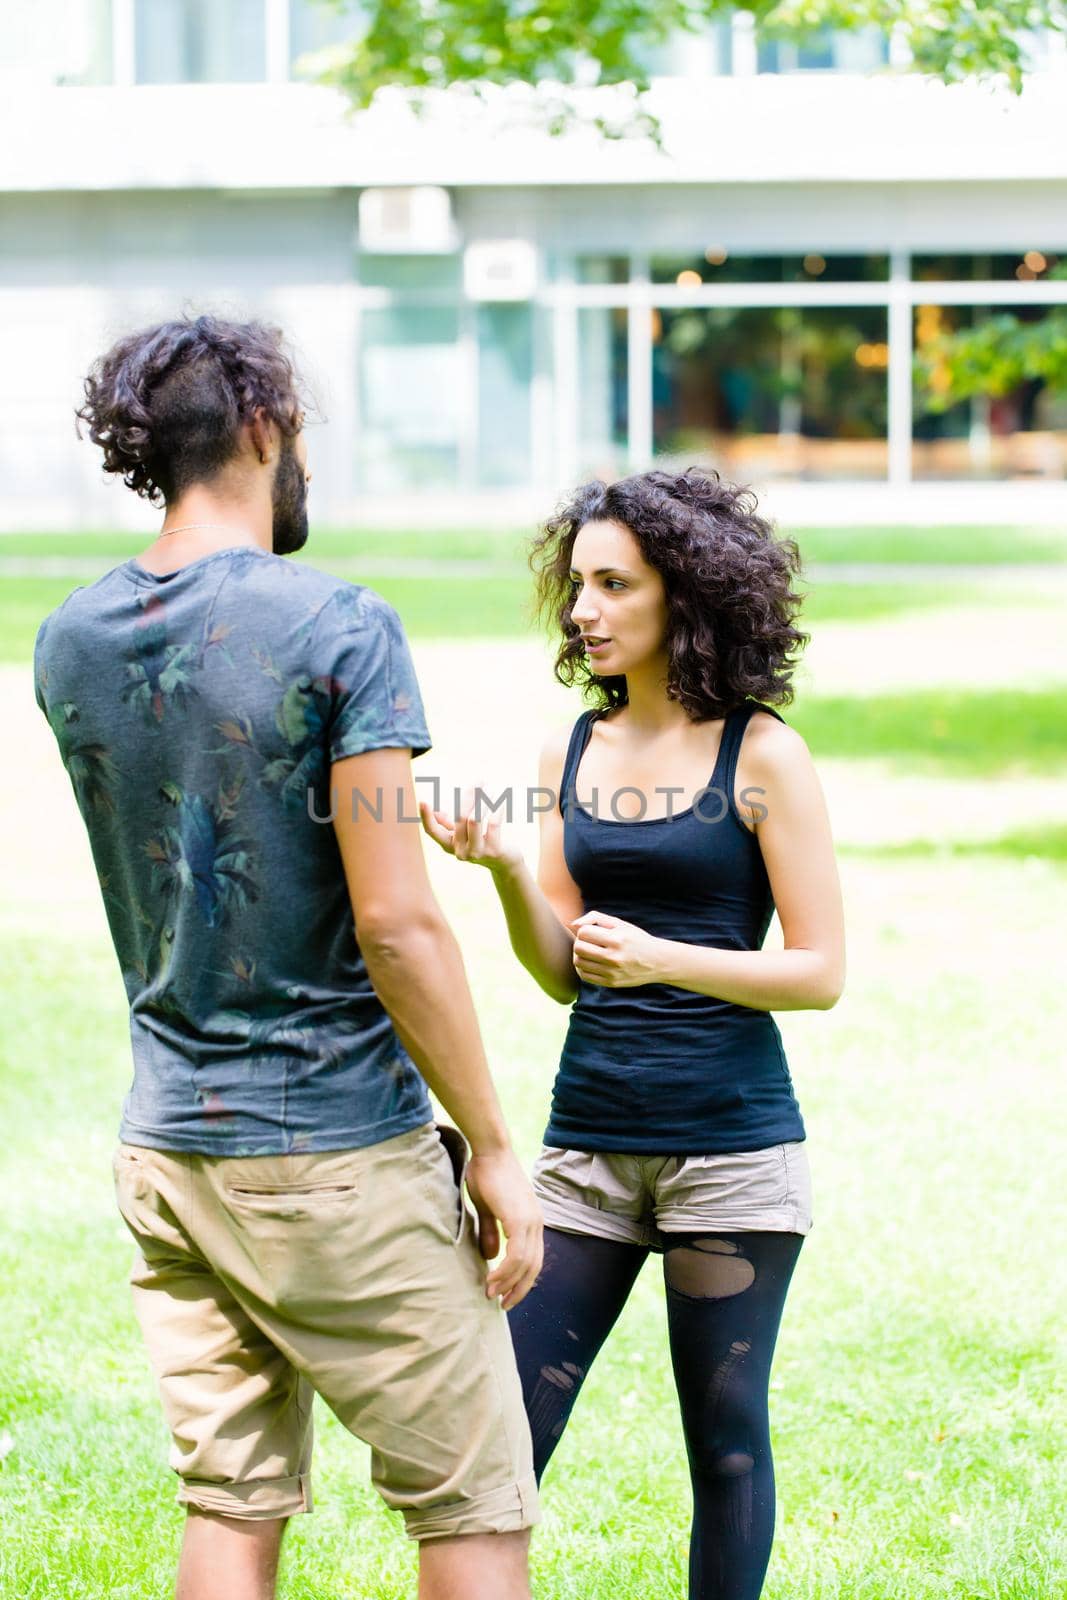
774,746
554,748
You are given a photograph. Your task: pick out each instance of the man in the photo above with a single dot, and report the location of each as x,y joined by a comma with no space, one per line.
239,731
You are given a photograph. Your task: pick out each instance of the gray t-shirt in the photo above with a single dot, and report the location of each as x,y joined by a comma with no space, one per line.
197,714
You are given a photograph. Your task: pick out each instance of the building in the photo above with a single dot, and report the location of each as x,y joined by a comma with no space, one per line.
489,314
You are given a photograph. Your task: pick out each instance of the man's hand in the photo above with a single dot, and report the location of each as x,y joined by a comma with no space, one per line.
504,1200
614,953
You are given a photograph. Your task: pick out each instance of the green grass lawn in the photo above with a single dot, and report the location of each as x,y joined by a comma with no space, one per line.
959,545
497,601
462,606
1020,844
918,1401
962,732
919,1407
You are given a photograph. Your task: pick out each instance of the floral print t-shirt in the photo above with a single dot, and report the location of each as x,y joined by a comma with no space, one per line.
197,714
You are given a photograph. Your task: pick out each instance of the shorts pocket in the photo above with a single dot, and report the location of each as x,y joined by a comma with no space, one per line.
799,1179
560,1173
451,1143
287,1186
131,1179
294,1191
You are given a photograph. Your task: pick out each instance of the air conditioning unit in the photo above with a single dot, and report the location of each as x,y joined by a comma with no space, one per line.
500,269
415,221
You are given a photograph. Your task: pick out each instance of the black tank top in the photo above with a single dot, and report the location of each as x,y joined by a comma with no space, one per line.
656,1069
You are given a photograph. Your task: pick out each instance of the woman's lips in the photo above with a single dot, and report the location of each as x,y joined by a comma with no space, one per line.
593,645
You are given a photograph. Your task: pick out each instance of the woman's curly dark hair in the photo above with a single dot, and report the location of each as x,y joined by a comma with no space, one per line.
728,581
166,404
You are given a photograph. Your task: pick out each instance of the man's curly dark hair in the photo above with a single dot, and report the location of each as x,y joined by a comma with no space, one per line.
728,581
166,404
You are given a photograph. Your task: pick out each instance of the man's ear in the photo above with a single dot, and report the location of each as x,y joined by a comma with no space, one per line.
262,432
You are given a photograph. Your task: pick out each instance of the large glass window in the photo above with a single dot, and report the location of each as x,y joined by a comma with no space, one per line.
603,391
314,26
411,273
505,372
1026,265
705,50
773,393
718,265
1018,433
200,41
602,269
411,398
859,50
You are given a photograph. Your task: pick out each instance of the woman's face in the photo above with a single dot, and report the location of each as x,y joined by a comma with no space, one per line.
619,601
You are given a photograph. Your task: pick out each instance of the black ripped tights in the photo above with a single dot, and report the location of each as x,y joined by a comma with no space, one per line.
725,1294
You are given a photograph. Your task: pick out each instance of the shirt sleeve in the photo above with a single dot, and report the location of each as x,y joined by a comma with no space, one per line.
361,650
40,671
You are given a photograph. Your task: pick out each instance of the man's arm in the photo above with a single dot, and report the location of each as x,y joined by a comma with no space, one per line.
415,965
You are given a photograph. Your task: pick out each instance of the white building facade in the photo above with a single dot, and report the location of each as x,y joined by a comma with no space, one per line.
487,314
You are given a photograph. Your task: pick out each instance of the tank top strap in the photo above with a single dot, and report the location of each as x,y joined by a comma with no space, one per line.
730,745
575,747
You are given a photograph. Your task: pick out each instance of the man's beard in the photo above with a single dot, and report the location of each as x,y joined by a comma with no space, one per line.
289,503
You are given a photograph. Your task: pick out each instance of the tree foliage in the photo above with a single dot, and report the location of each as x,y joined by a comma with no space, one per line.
548,49
424,45
994,358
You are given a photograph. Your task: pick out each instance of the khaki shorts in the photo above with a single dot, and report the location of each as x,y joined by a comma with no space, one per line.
355,1274
637,1199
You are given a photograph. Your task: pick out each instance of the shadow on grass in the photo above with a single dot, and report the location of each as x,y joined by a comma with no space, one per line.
955,732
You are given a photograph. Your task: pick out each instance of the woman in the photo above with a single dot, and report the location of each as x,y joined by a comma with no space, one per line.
688,811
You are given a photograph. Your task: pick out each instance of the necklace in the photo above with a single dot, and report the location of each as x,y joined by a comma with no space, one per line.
187,527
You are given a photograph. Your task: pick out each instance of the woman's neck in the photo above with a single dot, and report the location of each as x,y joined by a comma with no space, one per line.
648,710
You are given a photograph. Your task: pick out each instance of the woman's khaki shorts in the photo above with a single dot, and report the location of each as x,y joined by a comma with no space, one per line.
637,1199
353,1273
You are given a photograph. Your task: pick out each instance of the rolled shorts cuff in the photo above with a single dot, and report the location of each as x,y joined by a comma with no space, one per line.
256,1500
505,1510
769,1219
575,1216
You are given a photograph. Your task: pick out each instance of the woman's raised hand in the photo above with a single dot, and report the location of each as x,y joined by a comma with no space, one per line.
469,837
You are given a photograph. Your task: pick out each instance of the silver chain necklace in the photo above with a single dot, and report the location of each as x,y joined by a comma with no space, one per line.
187,527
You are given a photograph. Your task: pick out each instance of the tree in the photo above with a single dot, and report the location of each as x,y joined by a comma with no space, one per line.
554,47
426,45
996,356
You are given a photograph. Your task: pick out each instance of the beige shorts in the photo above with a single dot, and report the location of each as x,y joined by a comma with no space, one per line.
637,1199
355,1274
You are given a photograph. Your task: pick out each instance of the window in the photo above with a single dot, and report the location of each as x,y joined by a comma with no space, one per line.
703,51
603,391
1026,265
505,373
200,41
409,274
315,26
773,393
718,265
858,50
412,387
1020,433
602,269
